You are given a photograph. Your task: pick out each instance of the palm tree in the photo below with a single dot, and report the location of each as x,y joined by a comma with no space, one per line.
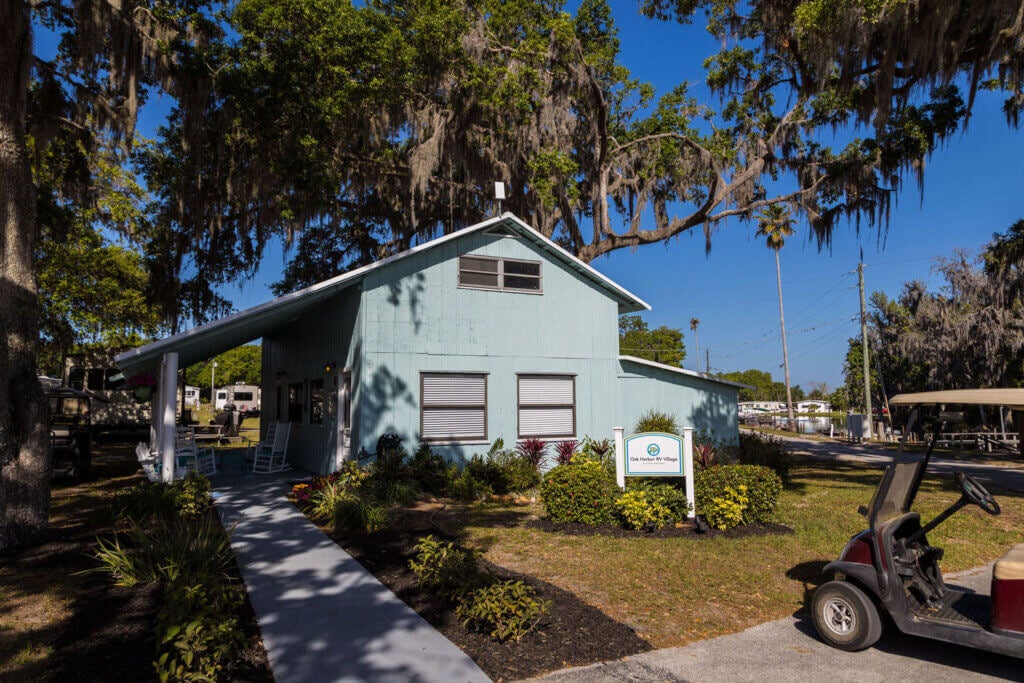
696,340
775,224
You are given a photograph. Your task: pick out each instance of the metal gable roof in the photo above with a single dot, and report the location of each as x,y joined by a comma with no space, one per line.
208,340
684,371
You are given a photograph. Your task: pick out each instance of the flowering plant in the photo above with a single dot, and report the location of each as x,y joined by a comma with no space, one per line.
143,380
301,492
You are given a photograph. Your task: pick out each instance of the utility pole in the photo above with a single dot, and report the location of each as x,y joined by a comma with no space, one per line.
864,344
707,360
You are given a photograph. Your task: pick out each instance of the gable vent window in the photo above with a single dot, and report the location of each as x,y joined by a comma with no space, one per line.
485,272
453,406
547,406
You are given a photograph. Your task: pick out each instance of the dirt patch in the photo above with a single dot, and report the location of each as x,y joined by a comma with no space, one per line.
59,624
572,633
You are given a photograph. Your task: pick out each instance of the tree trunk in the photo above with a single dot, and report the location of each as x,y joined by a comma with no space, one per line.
24,451
785,351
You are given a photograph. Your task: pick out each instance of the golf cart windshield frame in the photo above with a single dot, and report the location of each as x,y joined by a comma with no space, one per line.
902,479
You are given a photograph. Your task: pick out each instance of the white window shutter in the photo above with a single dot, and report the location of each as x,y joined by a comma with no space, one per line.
547,406
453,406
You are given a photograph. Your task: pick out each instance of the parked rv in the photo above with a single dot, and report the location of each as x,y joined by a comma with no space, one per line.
119,407
245,397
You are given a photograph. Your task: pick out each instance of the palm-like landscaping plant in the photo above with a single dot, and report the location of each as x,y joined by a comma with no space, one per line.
775,224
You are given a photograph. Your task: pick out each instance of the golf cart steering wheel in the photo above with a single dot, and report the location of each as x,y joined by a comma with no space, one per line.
975,493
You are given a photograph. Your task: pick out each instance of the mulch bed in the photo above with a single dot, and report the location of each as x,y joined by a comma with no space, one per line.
572,633
109,634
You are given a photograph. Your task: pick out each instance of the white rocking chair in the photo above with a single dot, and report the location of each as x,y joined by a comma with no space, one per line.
269,456
188,456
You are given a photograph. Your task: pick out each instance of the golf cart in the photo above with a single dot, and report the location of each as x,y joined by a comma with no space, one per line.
69,432
891,567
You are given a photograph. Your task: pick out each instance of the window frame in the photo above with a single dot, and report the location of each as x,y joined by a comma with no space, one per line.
501,287
438,440
519,406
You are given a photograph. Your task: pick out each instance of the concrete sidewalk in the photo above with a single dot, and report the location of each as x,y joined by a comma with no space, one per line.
789,650
322,616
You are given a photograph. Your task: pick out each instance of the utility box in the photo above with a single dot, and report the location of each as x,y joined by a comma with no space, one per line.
857,426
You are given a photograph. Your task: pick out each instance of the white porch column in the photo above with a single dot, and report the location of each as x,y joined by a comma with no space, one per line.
168,390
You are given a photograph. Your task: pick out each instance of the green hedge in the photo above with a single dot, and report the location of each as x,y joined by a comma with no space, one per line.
585,493
763,489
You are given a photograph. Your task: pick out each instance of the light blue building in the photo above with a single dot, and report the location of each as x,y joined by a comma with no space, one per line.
492,331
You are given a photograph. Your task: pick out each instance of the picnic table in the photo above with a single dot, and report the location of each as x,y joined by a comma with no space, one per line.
208,432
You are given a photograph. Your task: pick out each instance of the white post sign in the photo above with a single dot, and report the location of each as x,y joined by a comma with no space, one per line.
655,454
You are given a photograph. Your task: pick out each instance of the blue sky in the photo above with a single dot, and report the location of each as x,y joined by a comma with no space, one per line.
973,188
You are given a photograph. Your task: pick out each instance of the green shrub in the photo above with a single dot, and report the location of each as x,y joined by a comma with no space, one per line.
463,486
178,551
197,632
669,495
638,509
428,469
763,489
520,474
579,493
764,449
503,470
726,511
602,452
445,568
656,421
192,494
147,501
487,472
324,499
507,610
355,514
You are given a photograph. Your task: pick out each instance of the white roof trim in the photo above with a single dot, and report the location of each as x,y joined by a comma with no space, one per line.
334,284
683,371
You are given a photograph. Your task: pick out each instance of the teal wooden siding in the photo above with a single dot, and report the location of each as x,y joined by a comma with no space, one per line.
706,406
302,349
416,319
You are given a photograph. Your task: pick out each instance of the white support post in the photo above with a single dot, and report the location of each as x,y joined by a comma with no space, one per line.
168,390
620,459
688,468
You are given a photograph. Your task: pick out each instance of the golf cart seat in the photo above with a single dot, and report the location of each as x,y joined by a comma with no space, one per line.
1008,591
1010,567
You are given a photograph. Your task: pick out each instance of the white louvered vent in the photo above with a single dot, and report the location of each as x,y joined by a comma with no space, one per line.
547,406
453,406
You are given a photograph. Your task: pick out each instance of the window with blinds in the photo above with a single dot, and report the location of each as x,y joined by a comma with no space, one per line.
453,406
547,406
487,272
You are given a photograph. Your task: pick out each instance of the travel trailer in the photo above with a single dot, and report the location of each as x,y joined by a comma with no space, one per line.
245,397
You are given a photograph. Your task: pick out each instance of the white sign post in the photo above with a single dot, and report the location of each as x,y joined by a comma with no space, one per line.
655,454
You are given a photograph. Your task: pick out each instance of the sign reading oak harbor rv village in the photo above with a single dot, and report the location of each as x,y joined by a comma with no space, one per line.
655,454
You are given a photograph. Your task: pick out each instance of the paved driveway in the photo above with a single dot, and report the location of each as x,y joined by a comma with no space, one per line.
1009,478
789,650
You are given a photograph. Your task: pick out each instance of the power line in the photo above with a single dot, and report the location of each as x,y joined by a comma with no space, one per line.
778,335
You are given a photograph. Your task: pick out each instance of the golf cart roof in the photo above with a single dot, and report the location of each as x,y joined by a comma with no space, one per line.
902,479
1012,398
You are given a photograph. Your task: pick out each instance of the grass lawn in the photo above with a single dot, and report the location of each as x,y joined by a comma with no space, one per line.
676,590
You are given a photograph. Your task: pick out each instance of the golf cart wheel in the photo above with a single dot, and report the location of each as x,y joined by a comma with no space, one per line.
845,616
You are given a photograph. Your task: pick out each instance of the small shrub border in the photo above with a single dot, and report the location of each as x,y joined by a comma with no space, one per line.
506,610
174,540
